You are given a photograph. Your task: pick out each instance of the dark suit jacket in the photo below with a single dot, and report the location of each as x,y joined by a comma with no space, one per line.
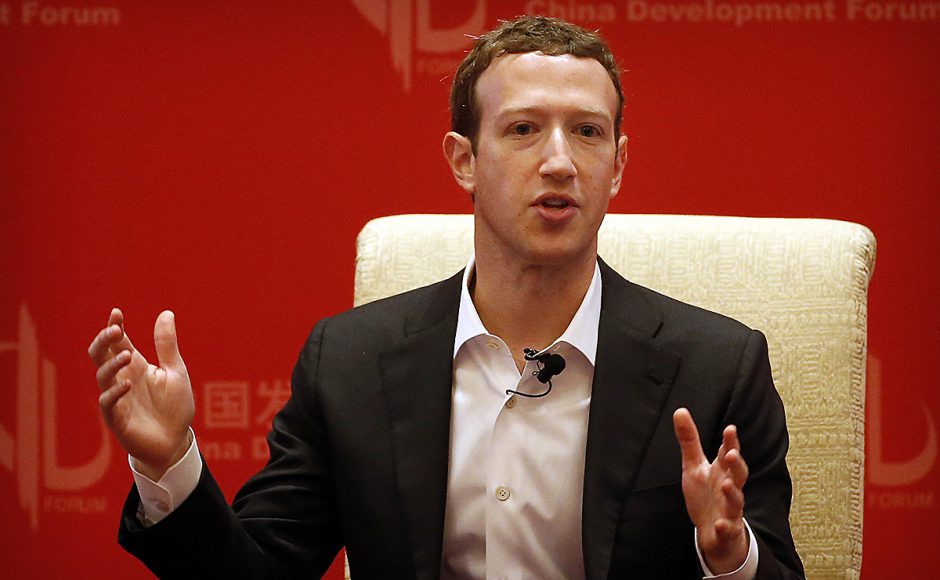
359,454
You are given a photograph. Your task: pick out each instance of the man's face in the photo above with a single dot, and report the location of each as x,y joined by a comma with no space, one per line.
546,162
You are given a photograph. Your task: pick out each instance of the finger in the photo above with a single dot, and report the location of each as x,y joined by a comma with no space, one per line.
736,467
687,435
111,340
116,317
729,438
722,451
124,341
734,499
109,370
164,338
100,348
729,441
111,396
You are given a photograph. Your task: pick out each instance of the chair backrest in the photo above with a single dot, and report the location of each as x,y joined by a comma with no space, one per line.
803,282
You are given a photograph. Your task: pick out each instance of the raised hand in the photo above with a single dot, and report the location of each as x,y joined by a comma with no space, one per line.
148,408
714,495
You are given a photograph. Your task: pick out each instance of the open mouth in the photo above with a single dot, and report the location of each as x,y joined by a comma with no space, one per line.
556,208
555,203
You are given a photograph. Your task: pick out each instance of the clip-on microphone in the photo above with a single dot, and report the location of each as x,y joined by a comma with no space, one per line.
549,365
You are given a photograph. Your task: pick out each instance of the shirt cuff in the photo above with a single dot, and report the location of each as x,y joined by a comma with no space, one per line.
159,498
747,570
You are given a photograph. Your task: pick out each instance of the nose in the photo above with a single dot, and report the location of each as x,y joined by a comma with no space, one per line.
557,161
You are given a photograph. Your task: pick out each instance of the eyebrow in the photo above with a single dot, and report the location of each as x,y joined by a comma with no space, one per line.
537,110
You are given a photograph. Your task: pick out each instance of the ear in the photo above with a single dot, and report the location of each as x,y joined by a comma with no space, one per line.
459,154
620,161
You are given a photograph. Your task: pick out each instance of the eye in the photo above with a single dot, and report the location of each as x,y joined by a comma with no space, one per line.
522,129
589,131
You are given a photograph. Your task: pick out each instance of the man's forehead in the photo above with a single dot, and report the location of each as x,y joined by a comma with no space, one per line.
550,65
511,79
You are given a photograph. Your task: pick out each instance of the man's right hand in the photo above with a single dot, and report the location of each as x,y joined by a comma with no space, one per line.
148,408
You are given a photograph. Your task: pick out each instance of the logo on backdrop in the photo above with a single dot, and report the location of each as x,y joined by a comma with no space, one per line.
32,454
31,14
416,46
407,25
236,415
896,474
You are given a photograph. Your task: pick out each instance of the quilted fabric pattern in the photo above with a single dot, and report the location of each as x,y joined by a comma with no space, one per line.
803,282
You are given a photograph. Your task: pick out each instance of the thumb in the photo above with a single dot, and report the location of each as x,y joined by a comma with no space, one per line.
687,436
164,338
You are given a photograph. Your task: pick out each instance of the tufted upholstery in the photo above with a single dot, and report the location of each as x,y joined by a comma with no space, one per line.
803,282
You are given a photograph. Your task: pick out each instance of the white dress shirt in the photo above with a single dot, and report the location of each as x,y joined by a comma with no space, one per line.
516,472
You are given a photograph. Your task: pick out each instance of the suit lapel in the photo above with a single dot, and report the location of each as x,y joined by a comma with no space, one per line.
417,380
632,380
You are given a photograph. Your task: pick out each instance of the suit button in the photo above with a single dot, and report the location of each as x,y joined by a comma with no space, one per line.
511,402
502,493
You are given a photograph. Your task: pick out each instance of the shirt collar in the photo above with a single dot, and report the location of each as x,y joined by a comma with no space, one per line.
581,332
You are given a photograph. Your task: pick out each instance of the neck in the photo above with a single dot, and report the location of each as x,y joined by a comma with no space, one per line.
529,305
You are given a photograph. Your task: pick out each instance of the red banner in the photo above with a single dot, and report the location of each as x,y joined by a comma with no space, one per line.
218,158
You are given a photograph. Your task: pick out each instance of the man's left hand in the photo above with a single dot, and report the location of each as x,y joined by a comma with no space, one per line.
714,495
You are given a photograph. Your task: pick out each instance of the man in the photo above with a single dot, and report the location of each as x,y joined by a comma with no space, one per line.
417,435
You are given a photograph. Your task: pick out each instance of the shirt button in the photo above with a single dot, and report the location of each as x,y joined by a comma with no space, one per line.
511,402
162,506
492,345
502,493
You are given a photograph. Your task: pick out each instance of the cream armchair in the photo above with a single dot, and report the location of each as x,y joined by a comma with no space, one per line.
803,282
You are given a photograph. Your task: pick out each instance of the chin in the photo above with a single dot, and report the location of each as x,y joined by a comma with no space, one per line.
561,256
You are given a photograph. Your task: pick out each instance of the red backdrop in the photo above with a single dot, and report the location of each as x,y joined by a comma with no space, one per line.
218,158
